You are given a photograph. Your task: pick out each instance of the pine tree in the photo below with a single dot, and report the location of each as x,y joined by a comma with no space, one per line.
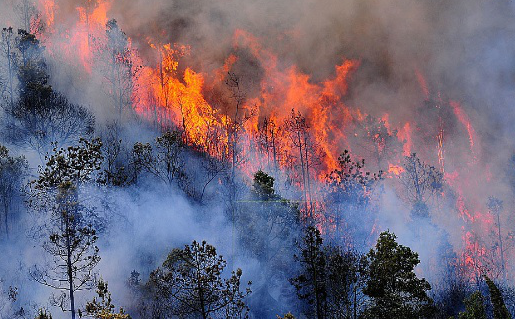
349,194
499,307
103,308
164,159
311,283
42,116
190,283
392,285
263,185
345,280
119,69
71,227
474,307
421,182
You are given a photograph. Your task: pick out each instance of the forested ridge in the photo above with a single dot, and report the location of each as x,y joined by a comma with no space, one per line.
136,211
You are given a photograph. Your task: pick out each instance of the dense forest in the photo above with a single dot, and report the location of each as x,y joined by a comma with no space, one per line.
184,160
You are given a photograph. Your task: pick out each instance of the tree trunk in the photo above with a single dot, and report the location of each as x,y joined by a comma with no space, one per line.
69,266
501,250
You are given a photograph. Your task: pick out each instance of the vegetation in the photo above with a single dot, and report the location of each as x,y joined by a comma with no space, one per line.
392,285
190,283
306,229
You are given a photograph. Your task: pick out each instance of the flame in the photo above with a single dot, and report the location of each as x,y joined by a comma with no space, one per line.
422,82
404,135
202,106
395,170
49,8
465,121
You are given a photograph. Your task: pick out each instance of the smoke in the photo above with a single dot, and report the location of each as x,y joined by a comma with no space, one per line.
463,49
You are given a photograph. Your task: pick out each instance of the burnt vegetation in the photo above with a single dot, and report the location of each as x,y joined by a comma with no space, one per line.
303,236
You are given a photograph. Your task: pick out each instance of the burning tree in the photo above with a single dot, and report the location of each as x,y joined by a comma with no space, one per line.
88,6
377,141
270,141
348,197
308,156
71,228
421,182
29,16
502,243
119,68
236,120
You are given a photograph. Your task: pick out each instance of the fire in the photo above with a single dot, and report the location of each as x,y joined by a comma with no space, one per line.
395,170
404,136
218,116
184,100
49,13
465,121
422,82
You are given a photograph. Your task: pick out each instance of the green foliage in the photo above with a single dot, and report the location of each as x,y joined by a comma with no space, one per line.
345,280
267,223
116,171
311,283
190,283
32,69
71,226
392,285
287,316
76,164
169,163
103,308
263,185
499,307
474,307
164,159
330,279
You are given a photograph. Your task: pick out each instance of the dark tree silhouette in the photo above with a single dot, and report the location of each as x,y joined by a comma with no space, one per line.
392,285
71,226
190,283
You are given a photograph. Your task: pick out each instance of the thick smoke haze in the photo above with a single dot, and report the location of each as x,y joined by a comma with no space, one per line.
461,51
462,48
